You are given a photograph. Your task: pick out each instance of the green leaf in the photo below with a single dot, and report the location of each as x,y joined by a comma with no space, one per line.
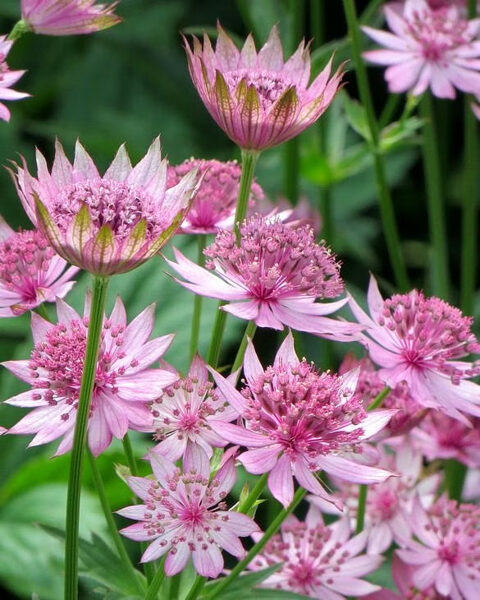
356,117
245,582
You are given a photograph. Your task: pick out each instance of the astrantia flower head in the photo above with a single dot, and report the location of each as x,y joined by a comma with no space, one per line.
68,17
215,201
110,224
297,421
182,414
370,385
316,560
7,79
30,271
184,514
273,277
445,553
428,47
258,100
419,340
124,385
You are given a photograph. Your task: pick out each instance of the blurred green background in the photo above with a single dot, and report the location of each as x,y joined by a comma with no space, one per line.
129,84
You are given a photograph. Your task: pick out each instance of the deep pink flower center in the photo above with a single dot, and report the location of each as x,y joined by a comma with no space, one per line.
449,552
274,260
113,203
269,85
385,502
302,411
192,515
430,331
24,260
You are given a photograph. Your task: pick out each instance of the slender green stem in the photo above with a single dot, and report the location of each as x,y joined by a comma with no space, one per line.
198,300
18,30
386,205
217,335
100,285
377,401
112,526
371,11
258,547
317,22
435,200
249,333
362,503
157,581
455,473
196,588
41,310
254,494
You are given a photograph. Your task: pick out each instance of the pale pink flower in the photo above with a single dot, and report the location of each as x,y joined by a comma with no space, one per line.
428,47
370,385
215,201
256,98
297,422
272,277
184,514
389,503
445,552
183,413
7,79
439,436
124,385
108,224
68,17
318,561
420,340
30,271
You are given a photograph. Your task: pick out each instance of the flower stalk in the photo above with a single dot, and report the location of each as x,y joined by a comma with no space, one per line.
157,582
198,300
362,504
99,295
249,333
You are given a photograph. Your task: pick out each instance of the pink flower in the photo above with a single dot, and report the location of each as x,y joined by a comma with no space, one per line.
408,412
390,502
420,340
428,48
316,560
185,514
184,411
258,100
7,79
215,201
445,553
30,271
298,422
439,436
68,17
108,224
124,385
273,277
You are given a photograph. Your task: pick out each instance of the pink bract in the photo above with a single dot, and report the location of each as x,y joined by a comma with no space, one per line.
184,411
318,561
256,98
445,553
68,17
7,79
428,47
108,224
272,277
215,201
184,514
297,422
124,385
30,271
420,340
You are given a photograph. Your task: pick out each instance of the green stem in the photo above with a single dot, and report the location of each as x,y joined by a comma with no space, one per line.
253,496
258,547
362,503
217,335
173,592
386,205
196,587
18,30
377,401
469,214
389,110
249,333
455,473
117,540
435,200
371,10
100,285
198,300
157,581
